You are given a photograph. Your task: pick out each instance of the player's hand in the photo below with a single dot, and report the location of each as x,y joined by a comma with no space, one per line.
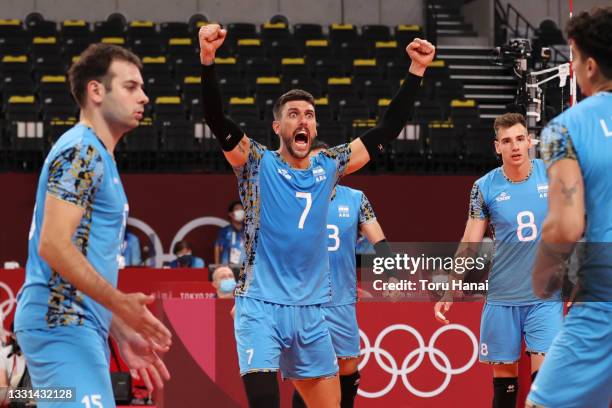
211,37
443,306
132,309
143,360
421,52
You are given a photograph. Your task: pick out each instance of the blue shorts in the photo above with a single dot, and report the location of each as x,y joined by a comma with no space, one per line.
343,328
69,356
577,371
503,327
295,339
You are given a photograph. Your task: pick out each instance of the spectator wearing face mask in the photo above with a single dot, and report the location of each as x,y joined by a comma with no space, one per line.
184,257
13,371
224,282
229,246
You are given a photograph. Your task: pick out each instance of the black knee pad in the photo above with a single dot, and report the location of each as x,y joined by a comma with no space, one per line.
348,388
297,402
505,392
262,389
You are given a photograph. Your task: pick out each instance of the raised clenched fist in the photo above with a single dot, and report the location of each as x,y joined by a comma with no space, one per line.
211,37
421,52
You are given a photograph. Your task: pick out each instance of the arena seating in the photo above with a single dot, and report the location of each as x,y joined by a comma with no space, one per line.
352,71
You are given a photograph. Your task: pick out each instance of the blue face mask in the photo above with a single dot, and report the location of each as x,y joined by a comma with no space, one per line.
184,260
227,285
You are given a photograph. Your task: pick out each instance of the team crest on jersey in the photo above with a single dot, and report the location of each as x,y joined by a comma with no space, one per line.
343,211
543,190
319,174
503,197
284,173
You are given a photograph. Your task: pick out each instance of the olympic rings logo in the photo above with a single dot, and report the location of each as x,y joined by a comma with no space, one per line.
7,305
408,366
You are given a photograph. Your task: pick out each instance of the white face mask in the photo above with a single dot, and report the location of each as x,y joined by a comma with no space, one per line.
439,278
239,215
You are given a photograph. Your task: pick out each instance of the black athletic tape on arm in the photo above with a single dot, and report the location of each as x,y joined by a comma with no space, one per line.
395,117
226,131
383,250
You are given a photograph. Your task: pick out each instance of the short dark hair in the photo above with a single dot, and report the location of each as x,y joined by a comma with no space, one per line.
93,64
179,246
508,120
592,34
230,208
292,95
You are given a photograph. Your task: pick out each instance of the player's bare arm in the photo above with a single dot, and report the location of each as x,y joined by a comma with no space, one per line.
475,230
60,222
563,226
233,140
372,231
421,52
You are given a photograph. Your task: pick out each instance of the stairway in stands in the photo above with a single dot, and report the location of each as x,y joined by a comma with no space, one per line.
458,44
491,86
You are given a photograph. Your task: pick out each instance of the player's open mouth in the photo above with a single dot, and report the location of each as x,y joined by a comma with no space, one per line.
517,156
300,138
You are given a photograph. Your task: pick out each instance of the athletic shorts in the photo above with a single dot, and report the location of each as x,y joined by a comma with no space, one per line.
295,339
343,328
74,357
577,370
502,329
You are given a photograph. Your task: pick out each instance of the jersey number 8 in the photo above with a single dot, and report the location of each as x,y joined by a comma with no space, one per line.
526,221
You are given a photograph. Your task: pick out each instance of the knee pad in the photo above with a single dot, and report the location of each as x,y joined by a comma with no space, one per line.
505,392
262,389
348,389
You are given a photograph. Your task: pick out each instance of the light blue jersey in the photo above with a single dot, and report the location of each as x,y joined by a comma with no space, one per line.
515,211
349,209
286,260
576,372
80,171
584,133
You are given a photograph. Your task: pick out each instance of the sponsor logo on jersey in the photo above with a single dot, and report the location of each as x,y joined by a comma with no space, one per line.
543,190
284,173
503,197
343,211
319,174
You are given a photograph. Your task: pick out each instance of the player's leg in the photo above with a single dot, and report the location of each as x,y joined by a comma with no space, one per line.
349,381
73,360
576,371
262,389
319,392
500,346
311,361
259,348
344,331
542,323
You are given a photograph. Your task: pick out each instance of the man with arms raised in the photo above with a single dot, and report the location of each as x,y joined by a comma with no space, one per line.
285,274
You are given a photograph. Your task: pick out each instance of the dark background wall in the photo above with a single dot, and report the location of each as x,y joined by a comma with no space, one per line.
410,208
